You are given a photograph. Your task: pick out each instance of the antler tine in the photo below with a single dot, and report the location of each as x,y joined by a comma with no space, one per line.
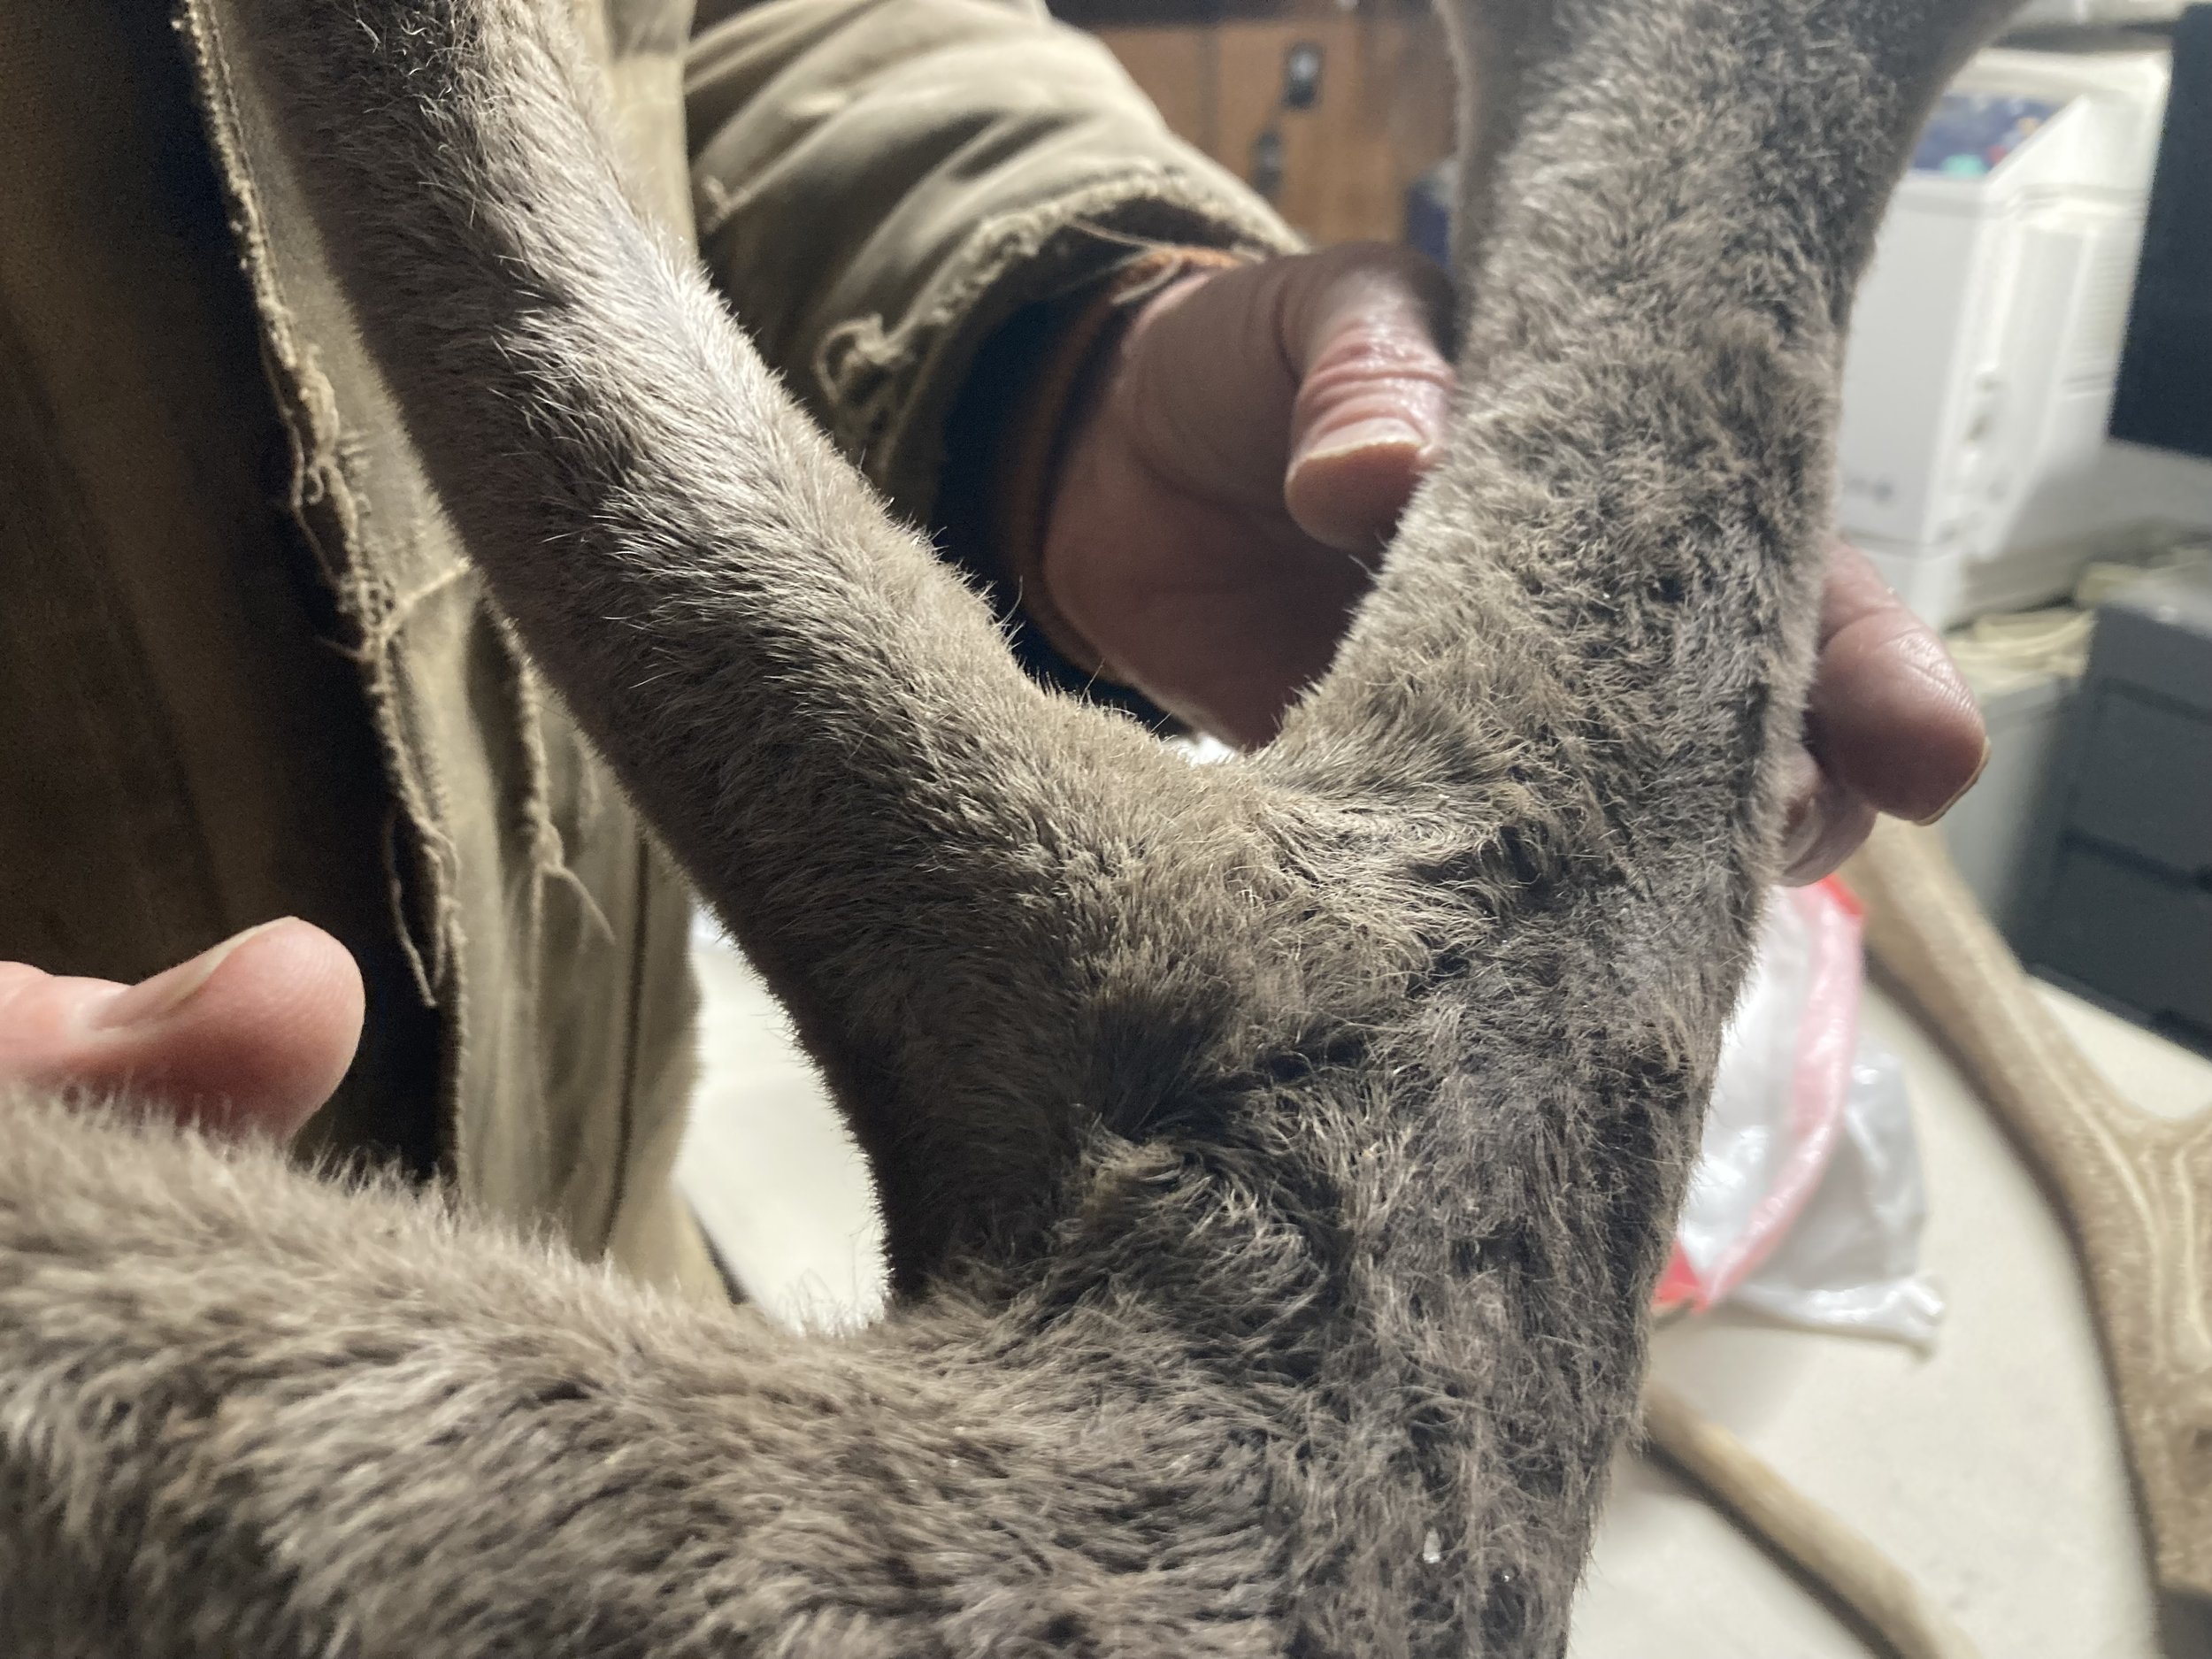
1588,649
820,719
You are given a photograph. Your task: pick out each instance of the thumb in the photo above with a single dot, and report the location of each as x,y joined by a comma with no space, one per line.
248,1037
1362,326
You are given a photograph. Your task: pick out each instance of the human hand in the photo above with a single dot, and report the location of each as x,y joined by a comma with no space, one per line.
1229,482
1228,487
249,1037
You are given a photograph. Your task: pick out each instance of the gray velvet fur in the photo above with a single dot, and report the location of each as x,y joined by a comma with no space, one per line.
1277,1158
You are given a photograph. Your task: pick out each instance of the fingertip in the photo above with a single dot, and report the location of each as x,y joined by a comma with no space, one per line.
1823,821
1972,777
1349,489
277,1025
1839,823
1374,389
1892,717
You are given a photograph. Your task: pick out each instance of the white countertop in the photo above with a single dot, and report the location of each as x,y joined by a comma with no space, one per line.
1990,1469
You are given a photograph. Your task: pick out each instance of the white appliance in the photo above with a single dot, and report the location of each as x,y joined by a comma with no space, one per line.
1977,382
2043,14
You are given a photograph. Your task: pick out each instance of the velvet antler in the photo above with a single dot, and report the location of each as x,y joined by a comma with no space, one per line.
1278,1157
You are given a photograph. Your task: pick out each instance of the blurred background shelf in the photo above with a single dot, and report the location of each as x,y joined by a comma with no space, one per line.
1330,112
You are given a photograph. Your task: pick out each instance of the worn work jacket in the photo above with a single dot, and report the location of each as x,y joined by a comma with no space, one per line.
245,668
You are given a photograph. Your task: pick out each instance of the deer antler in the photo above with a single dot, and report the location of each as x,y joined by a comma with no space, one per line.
2129,1187
1277,1158
902,830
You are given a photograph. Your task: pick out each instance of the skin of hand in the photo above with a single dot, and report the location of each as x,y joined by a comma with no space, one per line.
249,1038
1229,479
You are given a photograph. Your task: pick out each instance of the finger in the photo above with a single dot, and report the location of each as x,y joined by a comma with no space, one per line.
1203,389
1889,717
1250,388
249,1037
1362,329
1826,824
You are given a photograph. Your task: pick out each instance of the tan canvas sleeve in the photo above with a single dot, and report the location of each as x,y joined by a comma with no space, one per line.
246,671
880,184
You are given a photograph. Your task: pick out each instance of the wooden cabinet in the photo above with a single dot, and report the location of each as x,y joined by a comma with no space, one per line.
1330,113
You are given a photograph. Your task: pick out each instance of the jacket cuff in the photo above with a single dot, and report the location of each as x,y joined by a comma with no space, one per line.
895,392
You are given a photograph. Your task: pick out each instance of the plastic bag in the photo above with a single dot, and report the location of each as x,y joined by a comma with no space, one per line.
1805,1201
1850,1260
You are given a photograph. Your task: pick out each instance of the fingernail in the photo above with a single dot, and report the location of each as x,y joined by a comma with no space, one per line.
1980,766
1378,432
157,998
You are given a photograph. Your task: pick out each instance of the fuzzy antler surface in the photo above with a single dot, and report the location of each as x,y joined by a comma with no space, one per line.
1277,1158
